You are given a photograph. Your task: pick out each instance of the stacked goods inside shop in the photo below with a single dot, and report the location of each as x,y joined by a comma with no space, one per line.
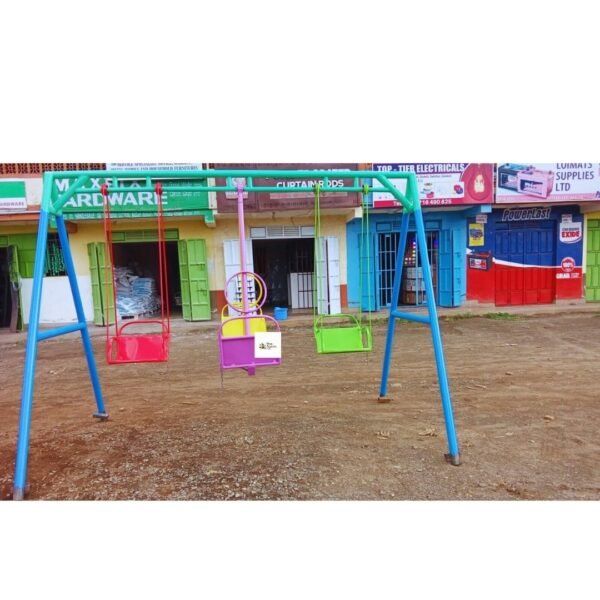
136,296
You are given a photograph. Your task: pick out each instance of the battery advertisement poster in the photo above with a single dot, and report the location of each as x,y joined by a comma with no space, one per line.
547,182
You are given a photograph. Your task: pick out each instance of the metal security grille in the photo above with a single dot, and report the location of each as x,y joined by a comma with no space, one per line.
55,262
301,275
388,250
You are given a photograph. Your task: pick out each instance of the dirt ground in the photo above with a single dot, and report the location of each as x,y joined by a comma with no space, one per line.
526,409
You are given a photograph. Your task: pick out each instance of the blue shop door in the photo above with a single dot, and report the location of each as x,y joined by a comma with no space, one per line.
459,268
367,273
446,288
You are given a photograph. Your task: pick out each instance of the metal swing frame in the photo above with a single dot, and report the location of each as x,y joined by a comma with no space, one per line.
204,180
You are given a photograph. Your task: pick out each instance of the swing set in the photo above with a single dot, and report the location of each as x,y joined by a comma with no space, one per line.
240,330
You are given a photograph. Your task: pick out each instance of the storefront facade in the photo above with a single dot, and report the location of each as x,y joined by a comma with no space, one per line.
531,249
20,197
280,236
188,224
202,242
525,255
450,194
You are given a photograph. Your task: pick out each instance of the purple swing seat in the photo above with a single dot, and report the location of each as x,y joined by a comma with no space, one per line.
238,352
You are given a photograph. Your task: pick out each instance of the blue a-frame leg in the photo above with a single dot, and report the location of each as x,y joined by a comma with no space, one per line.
34,336
431,319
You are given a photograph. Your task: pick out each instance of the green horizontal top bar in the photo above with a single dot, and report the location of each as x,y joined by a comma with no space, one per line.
206,173
222,188
410,201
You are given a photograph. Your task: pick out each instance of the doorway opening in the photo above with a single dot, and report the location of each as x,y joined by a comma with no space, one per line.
138,280
287,267
5,289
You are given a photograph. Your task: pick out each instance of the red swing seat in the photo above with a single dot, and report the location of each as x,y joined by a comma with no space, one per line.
140,347
144,347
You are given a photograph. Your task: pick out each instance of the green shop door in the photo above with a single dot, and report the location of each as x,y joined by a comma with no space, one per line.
101,278
193,270
16,318
592,275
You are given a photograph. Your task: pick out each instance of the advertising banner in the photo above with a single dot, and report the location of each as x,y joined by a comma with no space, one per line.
476,234
547,182
440,184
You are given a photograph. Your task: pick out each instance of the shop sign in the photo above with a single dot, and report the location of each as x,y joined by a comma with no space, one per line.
480,261
481,219
88,203
439,184
548,182
296,194
526,214
13,195
124,166
570,233
476,234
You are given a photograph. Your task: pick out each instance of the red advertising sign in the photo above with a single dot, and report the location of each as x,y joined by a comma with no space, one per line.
440,184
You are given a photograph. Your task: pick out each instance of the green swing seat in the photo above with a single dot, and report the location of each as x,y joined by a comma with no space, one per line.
342,337
339,332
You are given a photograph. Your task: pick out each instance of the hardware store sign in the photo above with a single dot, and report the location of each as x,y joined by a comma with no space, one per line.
547,182
88,203
439,184
12,195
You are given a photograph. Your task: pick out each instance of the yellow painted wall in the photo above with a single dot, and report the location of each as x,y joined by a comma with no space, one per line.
226,229
88,232
6,229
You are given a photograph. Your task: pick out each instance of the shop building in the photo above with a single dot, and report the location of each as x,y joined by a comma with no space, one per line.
530,250
202,244
188,224
280,237
450,193
20,197
526,255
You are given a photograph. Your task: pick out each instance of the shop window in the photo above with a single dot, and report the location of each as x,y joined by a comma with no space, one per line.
55,262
